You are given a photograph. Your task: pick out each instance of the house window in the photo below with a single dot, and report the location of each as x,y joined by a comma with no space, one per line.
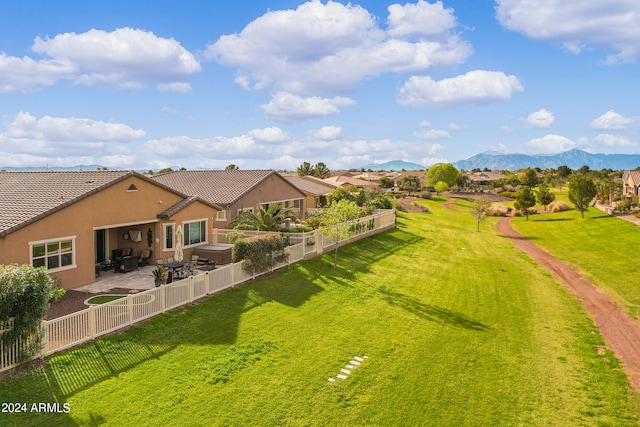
195,232
54,254
132,187
168,236
296,204
221,216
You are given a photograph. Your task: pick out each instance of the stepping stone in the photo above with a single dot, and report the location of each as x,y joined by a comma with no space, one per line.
350,367
345,371
333,380
353,362
342,377
359,359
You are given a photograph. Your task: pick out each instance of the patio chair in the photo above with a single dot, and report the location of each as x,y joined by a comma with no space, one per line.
169,259
144,257
159,261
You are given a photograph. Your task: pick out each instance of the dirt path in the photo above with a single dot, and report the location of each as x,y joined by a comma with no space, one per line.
621,332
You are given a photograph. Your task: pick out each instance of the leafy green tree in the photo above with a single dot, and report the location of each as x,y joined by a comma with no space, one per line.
231,167
320,170
269,219
335,222
409,183
462,180
544,195
379,202
305,169
444,172
479,210
563,171
529,178
25,296
338,194
441,187
582,190
525,200
386,182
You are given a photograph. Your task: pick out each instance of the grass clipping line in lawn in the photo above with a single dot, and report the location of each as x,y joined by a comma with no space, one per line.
475,337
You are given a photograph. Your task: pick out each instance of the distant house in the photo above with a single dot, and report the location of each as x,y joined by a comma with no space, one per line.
631,183
236,190
482,179
420,174
315,189
344,180
72,222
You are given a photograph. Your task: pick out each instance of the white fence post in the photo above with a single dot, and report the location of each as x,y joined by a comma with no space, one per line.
130,309
92,322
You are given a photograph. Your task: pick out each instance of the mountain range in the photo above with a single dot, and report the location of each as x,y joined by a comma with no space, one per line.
574,159
394,165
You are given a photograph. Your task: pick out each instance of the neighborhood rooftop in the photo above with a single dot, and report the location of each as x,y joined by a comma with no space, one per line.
218,187
27,196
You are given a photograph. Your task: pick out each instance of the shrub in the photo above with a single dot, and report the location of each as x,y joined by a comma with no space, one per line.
510,194
558,206
637,214
418,205
497,209
425,194
396,205
25,295
260,253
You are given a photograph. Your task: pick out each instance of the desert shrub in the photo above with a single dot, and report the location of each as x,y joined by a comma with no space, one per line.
511,194
637,214
425,194
396,205
260,253
530,211
497,209
558,206
422,208
379,202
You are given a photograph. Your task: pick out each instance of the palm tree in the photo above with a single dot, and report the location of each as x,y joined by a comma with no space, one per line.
269,219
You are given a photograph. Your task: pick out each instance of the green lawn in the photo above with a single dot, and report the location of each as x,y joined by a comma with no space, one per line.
459,328
103,299
601,247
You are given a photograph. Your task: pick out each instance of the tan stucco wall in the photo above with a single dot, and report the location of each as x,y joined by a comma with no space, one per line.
112,207
273,189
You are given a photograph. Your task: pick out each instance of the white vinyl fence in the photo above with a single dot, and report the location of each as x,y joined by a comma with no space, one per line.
76,328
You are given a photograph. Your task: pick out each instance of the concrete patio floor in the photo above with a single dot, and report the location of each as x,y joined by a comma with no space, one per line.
139,280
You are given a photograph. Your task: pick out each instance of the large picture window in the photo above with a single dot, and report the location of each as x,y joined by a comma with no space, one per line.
53,254
195,232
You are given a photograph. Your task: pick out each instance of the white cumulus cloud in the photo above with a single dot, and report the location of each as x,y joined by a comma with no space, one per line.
541,119
288,107
612,121
331,47
613,25
326,133
549,144
477,87
125,57
270,134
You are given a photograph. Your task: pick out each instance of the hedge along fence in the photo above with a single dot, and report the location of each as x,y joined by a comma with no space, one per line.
260,253
82,326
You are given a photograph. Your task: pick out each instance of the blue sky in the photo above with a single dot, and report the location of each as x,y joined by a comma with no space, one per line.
270,84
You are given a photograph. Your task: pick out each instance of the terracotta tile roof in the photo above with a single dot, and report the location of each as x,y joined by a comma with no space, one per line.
342,179
26,197
217,187
315,187
632,177
171,211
